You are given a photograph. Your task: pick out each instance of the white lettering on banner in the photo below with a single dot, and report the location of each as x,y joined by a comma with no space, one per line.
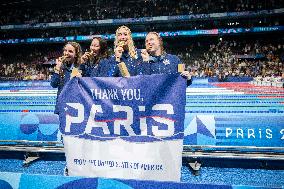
249,133
126,123
143,123
115,94
171,124
92,123
130,94
118,123
78,119
105,94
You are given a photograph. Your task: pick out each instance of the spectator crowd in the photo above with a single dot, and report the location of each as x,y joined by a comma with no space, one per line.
220,58
57,11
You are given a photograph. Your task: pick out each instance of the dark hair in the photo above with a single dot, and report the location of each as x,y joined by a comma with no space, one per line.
103,47
103,53
78,52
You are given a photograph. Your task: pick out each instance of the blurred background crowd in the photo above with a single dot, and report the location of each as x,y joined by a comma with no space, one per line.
254,54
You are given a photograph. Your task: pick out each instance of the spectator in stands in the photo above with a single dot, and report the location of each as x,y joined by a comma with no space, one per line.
94,63
64,65
157,60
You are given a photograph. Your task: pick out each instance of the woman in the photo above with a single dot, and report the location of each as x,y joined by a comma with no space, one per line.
125,51
95,62
70,61
160,62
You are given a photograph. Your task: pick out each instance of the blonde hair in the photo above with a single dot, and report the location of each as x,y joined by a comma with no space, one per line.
130,44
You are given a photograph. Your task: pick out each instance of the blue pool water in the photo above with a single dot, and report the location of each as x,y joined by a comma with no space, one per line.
212,118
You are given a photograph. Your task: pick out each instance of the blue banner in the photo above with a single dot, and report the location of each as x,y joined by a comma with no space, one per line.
156,107
123,127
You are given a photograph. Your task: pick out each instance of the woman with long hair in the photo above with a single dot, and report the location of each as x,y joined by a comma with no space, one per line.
66,64
125,51
94,61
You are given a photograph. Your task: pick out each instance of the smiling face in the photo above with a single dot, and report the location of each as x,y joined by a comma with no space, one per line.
153,45
70,52
123,34
95,47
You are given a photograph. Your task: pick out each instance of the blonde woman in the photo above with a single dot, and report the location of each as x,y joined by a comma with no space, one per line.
125,51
